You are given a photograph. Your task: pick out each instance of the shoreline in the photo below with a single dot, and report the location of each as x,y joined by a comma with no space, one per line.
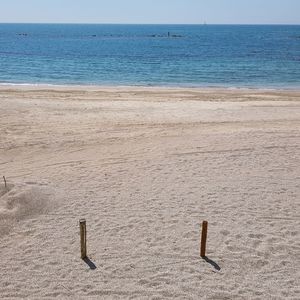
80,87
150,87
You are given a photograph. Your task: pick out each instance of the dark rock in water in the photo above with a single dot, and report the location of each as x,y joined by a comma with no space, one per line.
156,35
164,36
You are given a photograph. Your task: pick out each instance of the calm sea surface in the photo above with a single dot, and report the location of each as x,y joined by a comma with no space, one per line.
160,55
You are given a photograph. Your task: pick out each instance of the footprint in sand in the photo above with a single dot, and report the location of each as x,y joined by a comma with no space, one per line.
22,200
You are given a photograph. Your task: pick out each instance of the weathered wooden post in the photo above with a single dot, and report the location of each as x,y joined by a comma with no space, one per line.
82,225
203,238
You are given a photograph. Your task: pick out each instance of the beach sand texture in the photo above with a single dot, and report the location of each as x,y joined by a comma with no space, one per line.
145,167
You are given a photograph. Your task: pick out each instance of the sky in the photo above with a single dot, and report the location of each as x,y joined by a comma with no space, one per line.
151,11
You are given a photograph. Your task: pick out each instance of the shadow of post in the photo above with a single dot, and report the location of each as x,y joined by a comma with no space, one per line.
89,263
211,262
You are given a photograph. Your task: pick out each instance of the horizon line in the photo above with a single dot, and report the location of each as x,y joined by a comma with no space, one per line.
195,24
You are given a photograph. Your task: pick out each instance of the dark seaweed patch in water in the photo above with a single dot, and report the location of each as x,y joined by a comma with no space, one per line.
294,37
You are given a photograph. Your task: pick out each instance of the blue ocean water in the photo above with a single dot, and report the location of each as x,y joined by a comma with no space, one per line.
159,55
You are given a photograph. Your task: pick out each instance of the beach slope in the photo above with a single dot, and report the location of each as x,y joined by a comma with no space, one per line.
145,167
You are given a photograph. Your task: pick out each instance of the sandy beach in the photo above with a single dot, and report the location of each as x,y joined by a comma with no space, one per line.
145,167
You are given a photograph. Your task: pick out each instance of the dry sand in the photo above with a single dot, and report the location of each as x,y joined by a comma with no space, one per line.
145,166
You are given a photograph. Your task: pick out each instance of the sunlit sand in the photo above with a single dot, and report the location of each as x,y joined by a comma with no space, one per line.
145,167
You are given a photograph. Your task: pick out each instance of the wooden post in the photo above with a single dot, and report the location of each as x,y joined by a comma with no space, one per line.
203,238
4,182
82,225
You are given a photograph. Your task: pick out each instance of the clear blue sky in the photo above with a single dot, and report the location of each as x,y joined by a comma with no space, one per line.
151,11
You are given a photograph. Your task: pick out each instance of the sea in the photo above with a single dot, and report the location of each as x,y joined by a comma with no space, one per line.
229,56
